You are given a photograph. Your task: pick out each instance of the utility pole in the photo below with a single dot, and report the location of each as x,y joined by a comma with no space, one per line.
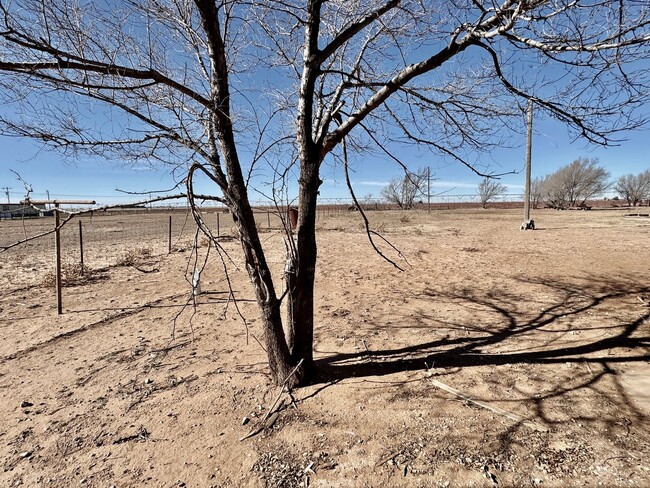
528,224
6,189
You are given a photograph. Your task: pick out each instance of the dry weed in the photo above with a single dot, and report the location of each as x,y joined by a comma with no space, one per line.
71,274
405,219
204,241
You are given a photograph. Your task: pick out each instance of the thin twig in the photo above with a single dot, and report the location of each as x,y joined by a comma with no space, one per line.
366,223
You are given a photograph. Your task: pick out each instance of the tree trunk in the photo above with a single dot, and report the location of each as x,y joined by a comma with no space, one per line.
301,292
279,356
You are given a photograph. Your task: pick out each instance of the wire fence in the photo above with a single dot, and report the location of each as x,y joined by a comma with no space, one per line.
107,238
100,237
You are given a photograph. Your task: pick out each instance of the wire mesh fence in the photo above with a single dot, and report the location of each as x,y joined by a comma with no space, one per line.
108,238
104,239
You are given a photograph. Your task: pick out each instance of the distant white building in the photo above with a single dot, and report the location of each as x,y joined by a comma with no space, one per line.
19,211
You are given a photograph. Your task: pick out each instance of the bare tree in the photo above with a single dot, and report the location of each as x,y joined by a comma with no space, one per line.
489,189
217,89
536,191
634,188
572,185
403,192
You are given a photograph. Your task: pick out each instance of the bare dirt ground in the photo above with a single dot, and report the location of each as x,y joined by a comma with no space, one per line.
551,326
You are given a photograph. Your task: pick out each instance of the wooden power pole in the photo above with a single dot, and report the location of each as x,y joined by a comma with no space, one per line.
529,145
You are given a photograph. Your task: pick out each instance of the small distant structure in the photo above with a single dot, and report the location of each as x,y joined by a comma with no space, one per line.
20,211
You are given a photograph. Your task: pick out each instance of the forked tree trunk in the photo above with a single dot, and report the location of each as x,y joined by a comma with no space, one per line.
292,344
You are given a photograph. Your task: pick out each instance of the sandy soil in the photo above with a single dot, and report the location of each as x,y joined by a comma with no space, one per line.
133,386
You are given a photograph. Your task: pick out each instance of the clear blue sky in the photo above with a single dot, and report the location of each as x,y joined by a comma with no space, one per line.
98,179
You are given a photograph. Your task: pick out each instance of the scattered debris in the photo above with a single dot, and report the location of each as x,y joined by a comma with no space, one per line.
141,435
490,475
280,469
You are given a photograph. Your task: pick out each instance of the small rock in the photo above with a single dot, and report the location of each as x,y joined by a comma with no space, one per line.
26,404
245,420
148,381
25,454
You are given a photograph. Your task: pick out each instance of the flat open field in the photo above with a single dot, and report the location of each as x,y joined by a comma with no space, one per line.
497,357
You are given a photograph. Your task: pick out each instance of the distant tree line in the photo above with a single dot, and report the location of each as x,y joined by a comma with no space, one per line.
570,186
584,179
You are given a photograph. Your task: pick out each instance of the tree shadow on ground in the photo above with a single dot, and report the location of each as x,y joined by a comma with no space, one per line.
594,322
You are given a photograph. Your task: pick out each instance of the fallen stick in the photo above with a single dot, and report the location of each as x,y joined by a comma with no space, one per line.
274,411
272,407
384,459
492,408
267,423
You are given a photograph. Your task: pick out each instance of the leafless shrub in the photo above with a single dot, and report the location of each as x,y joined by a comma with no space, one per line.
403,192
536,192
71,274
134,257
489,189
634,188
574,184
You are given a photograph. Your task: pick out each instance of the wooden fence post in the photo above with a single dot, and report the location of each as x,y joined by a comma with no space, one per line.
57,252
170,235
57,240
218,229
81,247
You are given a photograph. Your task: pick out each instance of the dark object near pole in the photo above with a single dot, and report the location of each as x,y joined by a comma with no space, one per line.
293,217
528,225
